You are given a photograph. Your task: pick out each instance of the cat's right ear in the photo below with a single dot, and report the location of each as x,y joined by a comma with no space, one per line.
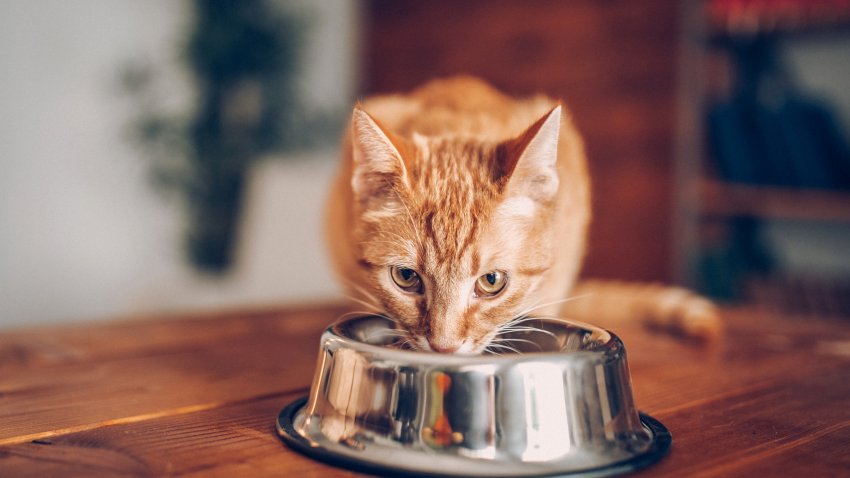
378,170
528,163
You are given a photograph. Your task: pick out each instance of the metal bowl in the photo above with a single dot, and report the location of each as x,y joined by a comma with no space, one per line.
561,404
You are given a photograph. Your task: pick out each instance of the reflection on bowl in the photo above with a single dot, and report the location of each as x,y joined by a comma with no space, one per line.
561,404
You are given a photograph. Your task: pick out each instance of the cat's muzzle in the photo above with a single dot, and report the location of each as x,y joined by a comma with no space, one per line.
560,405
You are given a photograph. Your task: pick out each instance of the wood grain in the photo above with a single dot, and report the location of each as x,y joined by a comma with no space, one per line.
136,371
197,396
174,445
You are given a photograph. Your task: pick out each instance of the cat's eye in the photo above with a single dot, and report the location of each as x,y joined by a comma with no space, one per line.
491,284
406,279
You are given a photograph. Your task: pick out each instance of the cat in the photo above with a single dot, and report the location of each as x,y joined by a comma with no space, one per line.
458,210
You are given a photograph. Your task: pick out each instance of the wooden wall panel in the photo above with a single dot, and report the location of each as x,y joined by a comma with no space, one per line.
613,63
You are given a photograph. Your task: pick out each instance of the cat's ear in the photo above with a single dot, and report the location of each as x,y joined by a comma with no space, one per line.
378,168
528,163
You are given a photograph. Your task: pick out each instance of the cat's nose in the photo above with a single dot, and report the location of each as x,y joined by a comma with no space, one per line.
442,347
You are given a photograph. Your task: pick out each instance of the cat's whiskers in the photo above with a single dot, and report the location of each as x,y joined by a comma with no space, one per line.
555,318
522,317
408,344
386,333
366,294
503,346
523,328
538,305
370,312
568,320
514,326
355,313
372,308
500,340
396,333
519,328
367,299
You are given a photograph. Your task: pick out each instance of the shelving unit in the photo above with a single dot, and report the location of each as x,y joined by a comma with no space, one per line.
721,200
713,210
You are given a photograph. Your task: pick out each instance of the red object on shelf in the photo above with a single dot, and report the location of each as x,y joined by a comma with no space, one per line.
765,16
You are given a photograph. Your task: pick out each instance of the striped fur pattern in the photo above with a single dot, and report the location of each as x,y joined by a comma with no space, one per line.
454,181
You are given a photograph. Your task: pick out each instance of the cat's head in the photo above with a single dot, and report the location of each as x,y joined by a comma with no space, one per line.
453,234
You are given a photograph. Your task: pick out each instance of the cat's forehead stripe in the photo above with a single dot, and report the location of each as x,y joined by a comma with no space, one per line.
451,185
451,240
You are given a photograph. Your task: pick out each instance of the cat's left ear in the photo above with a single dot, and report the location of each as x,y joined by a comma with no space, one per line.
378,171
528,162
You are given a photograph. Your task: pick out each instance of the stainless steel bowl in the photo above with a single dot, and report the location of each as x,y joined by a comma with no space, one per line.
561,405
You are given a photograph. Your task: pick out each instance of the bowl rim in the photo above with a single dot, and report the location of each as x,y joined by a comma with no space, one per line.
612,348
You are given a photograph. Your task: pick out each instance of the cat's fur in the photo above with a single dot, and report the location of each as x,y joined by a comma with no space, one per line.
455,180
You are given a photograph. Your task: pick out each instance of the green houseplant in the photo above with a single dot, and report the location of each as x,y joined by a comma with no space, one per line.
243,58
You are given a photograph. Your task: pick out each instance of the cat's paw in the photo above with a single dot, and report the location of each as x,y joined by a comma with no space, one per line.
687,314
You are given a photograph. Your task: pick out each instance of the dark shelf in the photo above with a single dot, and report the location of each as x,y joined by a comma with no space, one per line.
723,199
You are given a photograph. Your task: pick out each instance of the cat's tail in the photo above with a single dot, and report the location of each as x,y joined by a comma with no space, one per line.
672,309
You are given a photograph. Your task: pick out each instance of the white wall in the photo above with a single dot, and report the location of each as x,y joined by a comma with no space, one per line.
82,234
820,67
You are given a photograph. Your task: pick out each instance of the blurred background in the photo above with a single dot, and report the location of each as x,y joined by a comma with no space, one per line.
165,156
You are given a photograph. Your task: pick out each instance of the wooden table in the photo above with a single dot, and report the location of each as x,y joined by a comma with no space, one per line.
197,396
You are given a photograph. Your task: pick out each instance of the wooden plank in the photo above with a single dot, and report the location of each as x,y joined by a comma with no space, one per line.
794,428
240,438
756,350
180,367
90,342
709,441
724,423
770,396
234,440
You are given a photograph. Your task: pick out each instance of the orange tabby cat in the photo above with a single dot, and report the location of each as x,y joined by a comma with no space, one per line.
458,211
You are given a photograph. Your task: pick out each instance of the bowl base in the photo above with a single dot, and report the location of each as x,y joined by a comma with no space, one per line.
286,429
